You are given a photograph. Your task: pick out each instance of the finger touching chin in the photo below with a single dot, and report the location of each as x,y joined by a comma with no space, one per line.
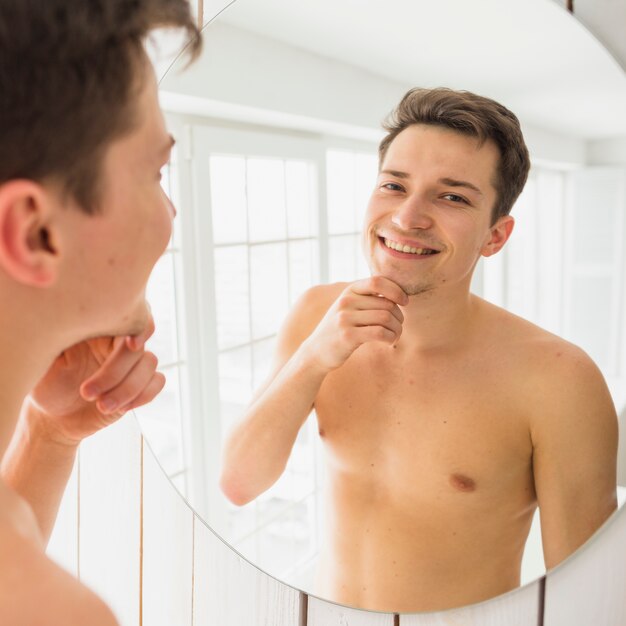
141,327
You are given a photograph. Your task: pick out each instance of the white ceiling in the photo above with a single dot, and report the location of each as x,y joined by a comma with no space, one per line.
530,54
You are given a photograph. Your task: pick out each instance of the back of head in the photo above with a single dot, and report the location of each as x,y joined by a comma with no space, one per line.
69,70
475,116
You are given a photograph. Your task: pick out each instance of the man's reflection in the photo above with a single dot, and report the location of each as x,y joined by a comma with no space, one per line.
446,420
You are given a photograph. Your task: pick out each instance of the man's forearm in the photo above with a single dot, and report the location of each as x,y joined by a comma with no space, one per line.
38,468
257,450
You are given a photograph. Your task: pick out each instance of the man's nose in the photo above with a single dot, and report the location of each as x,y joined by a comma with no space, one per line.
413,213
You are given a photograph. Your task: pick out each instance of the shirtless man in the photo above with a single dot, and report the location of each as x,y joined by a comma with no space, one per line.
83,219
446,420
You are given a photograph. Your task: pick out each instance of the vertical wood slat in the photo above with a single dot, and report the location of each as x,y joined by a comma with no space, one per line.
206,10
109,531
520,607
200,13
322,613
167,549
63,545
590,586
229,591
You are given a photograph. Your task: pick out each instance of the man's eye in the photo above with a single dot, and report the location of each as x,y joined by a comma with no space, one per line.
454,198
392,187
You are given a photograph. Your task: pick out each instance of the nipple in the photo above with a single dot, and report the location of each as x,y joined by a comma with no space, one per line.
462,482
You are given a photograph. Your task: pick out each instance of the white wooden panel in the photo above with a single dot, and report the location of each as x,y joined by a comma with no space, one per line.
63,544
167,550
590,587
322,613
229,591
109,532
517,608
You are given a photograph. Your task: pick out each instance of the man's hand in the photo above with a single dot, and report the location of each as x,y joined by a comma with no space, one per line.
367,310
88,387
92,384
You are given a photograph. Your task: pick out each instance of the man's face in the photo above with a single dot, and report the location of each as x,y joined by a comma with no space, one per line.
429,218
116,249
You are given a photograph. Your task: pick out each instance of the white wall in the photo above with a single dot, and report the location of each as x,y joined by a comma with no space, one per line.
607,151
244,75
245,69
606,19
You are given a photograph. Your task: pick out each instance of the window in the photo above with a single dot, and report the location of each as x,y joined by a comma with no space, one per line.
254,232
351,176
266,249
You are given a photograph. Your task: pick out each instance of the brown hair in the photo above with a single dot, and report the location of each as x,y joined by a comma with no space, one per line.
69,74
471,115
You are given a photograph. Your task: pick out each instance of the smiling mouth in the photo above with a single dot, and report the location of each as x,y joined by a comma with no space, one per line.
398,247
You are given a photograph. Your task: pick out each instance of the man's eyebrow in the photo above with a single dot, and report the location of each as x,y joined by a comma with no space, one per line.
443,181
395,173
460,183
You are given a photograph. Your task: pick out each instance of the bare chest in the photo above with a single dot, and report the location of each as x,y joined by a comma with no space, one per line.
427,429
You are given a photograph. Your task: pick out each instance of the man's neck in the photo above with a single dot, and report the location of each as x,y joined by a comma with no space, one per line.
438,320
26,355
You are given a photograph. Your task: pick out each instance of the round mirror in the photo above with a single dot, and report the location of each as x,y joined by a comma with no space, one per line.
277,129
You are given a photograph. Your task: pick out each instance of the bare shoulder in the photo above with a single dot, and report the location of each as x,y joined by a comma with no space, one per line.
535,349
557,378
34,590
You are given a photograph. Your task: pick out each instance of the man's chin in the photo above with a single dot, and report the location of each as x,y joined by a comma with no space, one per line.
411,288
416,290
134,323
140,320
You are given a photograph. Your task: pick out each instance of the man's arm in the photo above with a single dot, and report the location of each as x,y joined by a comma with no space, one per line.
64,409
257,450
574,434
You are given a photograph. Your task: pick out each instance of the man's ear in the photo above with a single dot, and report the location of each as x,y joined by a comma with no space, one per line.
27,243
499,234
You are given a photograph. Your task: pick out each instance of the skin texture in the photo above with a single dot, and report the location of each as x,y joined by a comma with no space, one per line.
73,349
446,420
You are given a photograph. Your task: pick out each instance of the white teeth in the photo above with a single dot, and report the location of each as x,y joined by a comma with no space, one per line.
400,248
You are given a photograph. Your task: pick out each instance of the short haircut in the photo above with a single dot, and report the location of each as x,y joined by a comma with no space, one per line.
70,71
473,115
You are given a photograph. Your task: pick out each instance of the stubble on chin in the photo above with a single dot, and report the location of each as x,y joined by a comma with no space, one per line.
140,320
134,323
411,288
417,289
